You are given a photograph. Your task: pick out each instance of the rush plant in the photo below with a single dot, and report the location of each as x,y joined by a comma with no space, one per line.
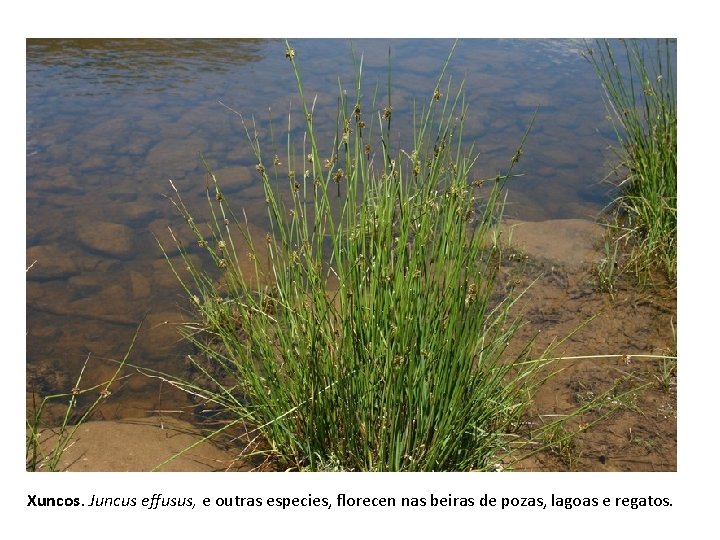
371,335
641,100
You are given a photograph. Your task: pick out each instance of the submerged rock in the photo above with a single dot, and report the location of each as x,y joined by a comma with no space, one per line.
141,213
111,303
160,334
232,179
140,285
52,263
111,239
571,243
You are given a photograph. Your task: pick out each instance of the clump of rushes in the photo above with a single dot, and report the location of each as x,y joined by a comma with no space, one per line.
642,105
369,338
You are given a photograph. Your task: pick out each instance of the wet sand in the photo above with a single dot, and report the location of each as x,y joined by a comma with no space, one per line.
141,445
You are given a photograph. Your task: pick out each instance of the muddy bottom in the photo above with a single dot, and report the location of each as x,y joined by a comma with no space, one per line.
622,396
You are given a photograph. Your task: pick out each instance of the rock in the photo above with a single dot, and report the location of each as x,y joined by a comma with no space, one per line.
176,156
533,99
94,163
163,276
103,305
45,296
138,145
102,135
140,285
158,230
111,303
111,239
58,184
233,178
160,334
568,242
52,263
556,157
141,212
85,284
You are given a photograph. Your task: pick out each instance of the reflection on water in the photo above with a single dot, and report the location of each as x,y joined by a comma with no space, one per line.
115,60
110,121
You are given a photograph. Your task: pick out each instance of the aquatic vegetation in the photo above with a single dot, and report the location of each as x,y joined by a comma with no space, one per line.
641,101
607,268
368,335
375,342
44,447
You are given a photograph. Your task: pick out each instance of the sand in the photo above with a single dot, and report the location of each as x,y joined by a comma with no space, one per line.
141,445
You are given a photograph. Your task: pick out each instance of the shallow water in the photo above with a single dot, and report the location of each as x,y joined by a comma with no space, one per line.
110,121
